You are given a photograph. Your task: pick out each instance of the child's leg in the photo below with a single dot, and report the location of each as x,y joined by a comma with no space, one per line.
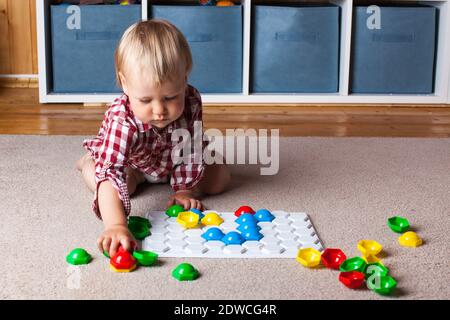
87,167
134,178
215,179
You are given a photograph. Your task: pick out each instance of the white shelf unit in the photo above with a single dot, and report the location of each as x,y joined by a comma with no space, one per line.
441,93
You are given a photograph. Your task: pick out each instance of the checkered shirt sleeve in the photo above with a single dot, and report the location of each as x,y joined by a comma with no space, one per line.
119,136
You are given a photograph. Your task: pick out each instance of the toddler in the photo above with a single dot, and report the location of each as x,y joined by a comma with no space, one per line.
134,144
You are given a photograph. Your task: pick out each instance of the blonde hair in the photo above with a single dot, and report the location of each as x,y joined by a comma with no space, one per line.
155,49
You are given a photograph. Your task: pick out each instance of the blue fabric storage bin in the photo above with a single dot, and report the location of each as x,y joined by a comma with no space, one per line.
83,59
295,49
398,57
215,38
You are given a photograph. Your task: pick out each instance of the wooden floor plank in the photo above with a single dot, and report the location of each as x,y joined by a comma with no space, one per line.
21,113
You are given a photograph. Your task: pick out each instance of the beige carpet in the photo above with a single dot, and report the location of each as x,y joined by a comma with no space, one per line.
348,186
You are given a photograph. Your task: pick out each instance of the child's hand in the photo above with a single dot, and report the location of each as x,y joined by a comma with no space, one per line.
186,199
115,236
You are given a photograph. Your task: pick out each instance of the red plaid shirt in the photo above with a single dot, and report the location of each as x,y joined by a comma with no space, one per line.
123,140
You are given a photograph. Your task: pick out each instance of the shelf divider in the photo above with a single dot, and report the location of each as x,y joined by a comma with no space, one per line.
247,47
345,44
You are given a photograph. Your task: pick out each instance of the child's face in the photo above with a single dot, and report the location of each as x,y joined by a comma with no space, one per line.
156,105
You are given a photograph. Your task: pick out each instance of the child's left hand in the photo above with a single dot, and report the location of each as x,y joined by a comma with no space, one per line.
186,199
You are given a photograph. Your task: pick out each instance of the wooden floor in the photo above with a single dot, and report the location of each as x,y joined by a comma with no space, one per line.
21,113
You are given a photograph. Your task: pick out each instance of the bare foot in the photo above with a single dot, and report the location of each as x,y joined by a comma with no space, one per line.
80,163
137,175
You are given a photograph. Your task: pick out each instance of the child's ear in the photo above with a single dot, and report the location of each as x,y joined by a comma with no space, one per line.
123,83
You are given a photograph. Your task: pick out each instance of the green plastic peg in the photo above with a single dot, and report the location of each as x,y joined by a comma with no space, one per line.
174,210
139,230
140,220
383,285
398,224
185,272
78,256
353,264
145,258
376,269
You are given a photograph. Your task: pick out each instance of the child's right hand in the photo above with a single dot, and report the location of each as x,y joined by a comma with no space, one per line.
115,236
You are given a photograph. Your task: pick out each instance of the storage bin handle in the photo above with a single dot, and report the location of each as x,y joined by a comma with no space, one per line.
393,37
310,37
96,36
200,37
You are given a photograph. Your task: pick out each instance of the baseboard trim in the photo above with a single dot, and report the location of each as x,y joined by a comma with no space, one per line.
94,105
18,81
32,81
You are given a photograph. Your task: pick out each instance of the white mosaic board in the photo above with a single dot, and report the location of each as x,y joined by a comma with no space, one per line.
287,233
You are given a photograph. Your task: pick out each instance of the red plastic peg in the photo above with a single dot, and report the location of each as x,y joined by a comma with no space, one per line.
123,260
242,210
333,258
352,279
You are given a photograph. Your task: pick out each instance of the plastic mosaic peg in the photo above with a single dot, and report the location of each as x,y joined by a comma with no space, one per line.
248,227
369,247
383,285
213,234
174,211
376,269
140,220
332,258
145,258
308,257
371,259
280,237
233,237
398,224
246,218
352,279
410,239
242,210
140,230
264,215
252,234
78,256
212,219
198,212
185,272
188,219
123,261
353,264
